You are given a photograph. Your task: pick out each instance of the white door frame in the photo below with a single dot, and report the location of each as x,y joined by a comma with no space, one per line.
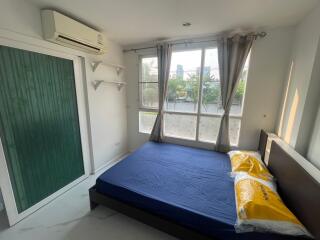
40,46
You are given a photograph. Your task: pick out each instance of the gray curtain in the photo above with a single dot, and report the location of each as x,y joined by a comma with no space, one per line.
232,54
164,59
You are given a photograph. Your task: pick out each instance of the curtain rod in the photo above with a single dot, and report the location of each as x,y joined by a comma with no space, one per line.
183,42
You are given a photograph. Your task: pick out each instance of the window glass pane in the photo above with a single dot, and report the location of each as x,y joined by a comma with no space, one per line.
149,95
184,79
149,82
146,121
211,93
180,126
149,69
234,130
209,129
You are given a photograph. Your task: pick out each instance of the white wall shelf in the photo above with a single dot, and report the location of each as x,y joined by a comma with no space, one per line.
96,64
97,83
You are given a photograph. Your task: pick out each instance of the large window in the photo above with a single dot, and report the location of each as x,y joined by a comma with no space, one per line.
148,93
193,103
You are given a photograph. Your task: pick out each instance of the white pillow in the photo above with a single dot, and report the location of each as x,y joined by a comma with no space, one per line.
260,208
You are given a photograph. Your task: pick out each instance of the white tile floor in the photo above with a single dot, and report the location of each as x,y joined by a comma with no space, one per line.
69,217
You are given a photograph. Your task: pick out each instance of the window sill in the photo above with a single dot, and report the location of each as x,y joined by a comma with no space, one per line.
214,143
147,109
144,133
180,138
189,141
155,110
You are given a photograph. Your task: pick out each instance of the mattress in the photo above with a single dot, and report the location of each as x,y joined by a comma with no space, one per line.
186,185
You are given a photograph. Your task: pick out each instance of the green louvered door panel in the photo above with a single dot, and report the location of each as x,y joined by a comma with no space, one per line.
39,124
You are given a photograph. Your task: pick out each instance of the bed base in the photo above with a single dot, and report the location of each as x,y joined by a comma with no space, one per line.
153,220
150,219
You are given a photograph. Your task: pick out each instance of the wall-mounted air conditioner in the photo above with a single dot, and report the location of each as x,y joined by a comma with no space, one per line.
65,31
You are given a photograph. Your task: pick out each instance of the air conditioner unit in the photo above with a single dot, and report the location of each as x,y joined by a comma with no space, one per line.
65,31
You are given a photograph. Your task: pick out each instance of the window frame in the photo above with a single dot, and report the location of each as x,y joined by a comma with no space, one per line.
198,114
141,107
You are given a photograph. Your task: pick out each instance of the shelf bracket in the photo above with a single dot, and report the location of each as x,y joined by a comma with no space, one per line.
97,83
119,70
96,64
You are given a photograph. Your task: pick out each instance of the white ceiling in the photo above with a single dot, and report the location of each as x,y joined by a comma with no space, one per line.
135,21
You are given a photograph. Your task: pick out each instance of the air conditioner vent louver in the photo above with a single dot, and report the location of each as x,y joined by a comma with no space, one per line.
65,31
75,43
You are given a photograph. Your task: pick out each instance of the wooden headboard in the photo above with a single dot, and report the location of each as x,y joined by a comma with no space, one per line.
263,143
299,188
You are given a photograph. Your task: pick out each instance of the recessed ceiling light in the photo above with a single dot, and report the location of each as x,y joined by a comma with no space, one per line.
186,24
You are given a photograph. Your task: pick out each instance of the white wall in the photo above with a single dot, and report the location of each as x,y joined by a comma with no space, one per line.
135,139
108,112
310,109
107,106
268,68
314,148
295,122
21,17
299,122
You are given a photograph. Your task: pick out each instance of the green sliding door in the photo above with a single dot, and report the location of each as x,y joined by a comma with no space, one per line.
39,125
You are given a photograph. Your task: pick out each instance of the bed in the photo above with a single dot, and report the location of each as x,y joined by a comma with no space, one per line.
186,192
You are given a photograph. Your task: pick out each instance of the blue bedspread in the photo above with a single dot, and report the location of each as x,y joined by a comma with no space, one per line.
189,186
